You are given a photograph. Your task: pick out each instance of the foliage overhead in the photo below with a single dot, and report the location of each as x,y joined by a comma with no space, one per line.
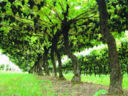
27,26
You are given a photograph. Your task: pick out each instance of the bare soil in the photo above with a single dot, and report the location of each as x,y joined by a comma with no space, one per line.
67,88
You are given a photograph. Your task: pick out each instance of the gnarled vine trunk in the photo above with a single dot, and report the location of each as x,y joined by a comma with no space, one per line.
65,27
45,61
115,87
53,62
40,64
60,64
65,30
37,67
53,48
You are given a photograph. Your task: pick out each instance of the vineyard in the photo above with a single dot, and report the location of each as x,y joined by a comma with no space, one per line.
37,35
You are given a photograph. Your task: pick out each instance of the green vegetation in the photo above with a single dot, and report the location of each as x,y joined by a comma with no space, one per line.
23,84
96,62
19,84
98,79
100,92
35,34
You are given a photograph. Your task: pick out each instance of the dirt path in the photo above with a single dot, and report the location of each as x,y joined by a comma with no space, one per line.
69,89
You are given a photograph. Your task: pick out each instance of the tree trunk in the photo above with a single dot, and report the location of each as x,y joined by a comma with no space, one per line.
46,66
53,47
115,70
39,65
76,77
60,64
45,61
37,68
33,69
65,27
53,62
39,72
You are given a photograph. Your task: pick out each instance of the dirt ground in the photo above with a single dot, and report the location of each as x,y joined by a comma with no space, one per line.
70,89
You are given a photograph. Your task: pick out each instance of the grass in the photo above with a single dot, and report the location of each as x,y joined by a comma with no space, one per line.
21,84
98,93
16,84
96,79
